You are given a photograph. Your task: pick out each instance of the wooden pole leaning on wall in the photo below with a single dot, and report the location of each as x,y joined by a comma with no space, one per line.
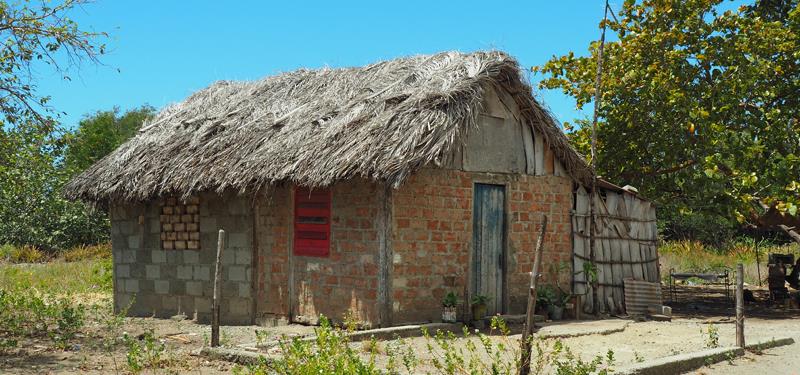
527,330
217,290
740,305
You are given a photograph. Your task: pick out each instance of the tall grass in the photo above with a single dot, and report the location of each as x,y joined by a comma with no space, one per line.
59,277
693,256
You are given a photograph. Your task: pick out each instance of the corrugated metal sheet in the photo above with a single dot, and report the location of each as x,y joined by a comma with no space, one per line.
639,295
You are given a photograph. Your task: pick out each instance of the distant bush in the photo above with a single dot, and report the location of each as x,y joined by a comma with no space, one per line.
706,228
84,252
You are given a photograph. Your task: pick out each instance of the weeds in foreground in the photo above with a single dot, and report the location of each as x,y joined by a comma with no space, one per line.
712,336
445,353
144,353
31,315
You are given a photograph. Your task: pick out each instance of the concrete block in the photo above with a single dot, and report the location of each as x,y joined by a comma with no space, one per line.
244,256
194,288
244,290
239,307
152,271
161,286
134,241
228,256
202,273
177,287
169,272
131,286
158,256
238,240
237,273
137,271
169,306
122,271
185,272
146,287
191,257
209,225
202,304
129,256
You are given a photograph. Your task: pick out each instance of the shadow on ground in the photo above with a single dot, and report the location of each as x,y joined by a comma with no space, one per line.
707,301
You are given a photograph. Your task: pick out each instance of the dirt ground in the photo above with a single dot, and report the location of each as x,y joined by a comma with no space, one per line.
181,338
695,309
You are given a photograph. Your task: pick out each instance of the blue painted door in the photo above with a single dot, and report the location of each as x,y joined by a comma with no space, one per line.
488,228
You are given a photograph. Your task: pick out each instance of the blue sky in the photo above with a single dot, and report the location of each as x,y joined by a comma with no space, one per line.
162,51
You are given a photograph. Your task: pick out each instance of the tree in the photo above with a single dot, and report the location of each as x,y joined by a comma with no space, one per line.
34,33
699,107
32,211
99,134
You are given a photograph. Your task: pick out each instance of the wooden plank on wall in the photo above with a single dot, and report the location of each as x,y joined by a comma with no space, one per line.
548,160
538,148
612,203
581,246
530,158
559,169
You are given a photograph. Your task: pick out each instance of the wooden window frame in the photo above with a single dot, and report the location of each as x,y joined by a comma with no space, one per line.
312,222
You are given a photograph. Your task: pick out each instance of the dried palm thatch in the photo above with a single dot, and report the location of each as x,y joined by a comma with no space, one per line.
314,127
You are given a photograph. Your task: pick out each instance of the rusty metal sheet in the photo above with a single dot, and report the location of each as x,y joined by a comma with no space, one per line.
640,295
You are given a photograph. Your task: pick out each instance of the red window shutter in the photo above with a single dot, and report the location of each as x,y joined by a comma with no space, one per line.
312,222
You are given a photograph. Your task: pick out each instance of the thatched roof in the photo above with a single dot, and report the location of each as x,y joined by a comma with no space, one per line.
313,127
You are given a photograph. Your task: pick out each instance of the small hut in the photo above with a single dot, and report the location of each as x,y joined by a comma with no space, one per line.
370,191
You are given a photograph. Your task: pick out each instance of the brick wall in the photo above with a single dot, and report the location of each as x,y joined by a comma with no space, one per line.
163,283
344,282
432,236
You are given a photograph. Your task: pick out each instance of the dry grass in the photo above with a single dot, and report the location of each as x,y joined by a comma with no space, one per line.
21,254
315,127
693,256
86,252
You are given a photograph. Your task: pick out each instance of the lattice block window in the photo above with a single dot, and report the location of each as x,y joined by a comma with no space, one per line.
180,224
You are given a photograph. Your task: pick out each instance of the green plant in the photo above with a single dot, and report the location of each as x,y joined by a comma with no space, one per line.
712,336
147,353
637,357
261,337
479,299
30,314
450,300
567,363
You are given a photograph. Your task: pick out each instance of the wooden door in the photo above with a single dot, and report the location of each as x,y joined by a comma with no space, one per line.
488,228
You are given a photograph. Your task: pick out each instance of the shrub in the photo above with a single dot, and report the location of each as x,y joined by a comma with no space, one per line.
84,252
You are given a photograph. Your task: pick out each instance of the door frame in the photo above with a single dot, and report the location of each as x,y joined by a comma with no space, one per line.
471,282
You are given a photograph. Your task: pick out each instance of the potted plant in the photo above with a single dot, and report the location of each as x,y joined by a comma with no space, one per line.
555,298
479,306
449,303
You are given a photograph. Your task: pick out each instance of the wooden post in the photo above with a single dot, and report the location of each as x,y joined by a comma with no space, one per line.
217,280
758,263
527,331
740,305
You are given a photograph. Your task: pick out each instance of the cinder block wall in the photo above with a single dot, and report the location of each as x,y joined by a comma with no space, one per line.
163,283
432,236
